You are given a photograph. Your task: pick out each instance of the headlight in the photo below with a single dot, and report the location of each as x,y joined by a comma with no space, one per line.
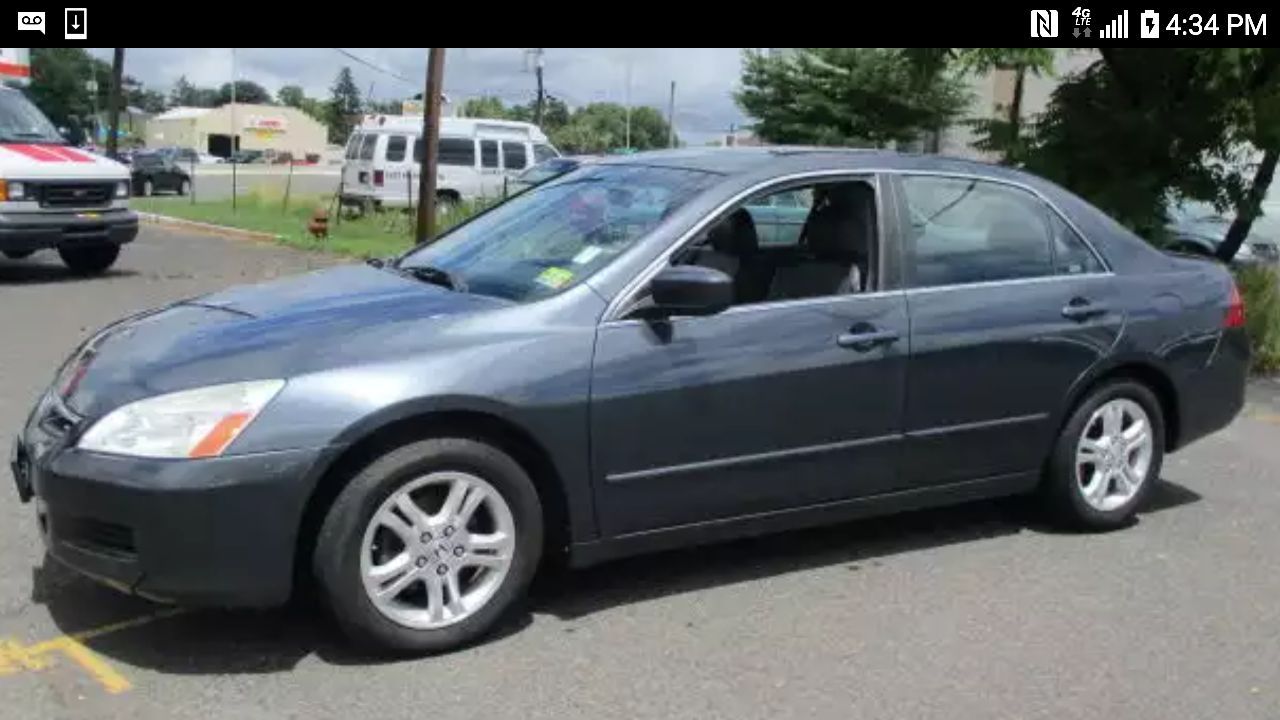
188,424
13,190
122,189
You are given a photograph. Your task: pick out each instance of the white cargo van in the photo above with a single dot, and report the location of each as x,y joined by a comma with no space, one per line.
476,156
54,196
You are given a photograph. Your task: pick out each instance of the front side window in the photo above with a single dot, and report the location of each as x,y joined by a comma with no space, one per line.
542,152
968,231
817,240
396,145
367,146
556,235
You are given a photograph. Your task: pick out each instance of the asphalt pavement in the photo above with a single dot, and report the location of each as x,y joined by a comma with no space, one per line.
979,611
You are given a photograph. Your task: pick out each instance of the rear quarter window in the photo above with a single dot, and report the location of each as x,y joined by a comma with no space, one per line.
367,147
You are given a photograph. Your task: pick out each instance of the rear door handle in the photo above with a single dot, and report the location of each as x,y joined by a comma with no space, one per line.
865,340
1080,309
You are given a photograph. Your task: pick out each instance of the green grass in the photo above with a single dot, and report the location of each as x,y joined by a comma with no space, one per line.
1260,288
376,234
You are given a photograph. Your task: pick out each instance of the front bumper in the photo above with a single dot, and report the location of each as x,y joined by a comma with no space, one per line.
219,531
40,230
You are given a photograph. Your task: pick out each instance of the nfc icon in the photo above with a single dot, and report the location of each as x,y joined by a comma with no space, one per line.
1044,23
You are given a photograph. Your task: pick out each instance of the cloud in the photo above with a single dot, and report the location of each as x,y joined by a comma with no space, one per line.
705,77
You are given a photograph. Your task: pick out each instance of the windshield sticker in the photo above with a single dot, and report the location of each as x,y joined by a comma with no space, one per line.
554,277
587,254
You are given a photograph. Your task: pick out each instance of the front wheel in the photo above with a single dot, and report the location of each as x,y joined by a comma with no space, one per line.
430,545
147,188
184,187
1107,457
89,259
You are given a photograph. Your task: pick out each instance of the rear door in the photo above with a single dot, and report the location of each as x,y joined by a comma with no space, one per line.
490,168
358,172
1009,306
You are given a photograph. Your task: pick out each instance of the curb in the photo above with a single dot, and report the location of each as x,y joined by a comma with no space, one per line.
207,228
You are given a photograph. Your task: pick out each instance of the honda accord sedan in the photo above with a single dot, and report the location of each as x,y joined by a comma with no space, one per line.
613,363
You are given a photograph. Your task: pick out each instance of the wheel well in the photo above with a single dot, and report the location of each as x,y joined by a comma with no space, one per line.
448,194
501,433
1159,384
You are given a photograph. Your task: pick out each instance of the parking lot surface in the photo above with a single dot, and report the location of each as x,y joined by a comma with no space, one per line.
979,611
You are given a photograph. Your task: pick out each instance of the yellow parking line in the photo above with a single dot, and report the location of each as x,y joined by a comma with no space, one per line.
15,657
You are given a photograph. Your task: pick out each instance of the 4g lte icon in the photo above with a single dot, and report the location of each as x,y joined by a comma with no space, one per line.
1044,23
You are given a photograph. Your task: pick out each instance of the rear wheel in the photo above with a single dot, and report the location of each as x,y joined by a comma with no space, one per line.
148,188
184,187
1107,458
18,254
429,546
89,259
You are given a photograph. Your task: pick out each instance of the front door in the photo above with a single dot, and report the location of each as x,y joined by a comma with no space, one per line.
1009,307
770,405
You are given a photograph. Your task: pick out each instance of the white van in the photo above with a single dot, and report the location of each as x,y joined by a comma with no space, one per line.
53,196
476,156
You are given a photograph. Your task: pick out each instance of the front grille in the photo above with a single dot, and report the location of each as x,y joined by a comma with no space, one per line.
78,195
95,535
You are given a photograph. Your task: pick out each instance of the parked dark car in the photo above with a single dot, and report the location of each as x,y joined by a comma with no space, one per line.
156,172
612,363
1198,229
245,157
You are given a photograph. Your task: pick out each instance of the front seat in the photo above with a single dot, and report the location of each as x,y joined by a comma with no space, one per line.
732,247
835,246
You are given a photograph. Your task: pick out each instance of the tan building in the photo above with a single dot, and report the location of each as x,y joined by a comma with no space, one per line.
270,128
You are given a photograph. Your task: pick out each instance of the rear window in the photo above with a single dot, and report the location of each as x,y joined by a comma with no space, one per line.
353,146
489,153
366,147
396,145
513,155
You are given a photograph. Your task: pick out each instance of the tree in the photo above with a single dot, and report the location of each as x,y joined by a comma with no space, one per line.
58,86
184,94
343,108
601,127
846,96
485,107
247,91
291,96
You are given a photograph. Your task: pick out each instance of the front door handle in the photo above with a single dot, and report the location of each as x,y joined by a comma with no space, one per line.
1080,309
866,340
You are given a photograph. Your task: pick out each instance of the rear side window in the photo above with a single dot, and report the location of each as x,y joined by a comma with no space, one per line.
396,145
1071,256
457,151
514,156
367,146
969,231
542,152
489,153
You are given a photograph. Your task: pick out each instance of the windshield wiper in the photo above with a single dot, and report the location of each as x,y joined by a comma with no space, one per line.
38,137
433,275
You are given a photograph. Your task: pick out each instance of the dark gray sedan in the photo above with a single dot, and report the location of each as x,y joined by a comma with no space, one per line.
614,362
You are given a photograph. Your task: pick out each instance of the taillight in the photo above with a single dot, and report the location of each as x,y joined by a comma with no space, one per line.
377,178
1235,309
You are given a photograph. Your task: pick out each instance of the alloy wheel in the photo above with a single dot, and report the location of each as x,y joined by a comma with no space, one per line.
1113,455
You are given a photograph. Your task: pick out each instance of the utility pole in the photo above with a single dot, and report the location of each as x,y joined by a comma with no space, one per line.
234,144
113,102
537,71
671,117
628,103
431,141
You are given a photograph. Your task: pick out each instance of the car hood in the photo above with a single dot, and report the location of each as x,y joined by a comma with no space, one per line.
33,161
333,318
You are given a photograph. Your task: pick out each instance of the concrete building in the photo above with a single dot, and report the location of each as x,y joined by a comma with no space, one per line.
269,128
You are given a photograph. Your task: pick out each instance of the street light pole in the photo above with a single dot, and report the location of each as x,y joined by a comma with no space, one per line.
671,117
431,144
234,144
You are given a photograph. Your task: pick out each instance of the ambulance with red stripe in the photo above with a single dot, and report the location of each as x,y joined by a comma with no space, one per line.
52,196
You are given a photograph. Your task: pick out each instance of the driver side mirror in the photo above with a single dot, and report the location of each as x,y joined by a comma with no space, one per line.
691,290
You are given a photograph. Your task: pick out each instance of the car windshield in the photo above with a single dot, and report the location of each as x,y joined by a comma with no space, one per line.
20,121
558,234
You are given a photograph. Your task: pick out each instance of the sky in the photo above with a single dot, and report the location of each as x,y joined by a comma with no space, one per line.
705,77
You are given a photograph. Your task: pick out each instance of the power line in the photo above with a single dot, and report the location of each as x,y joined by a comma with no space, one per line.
379,68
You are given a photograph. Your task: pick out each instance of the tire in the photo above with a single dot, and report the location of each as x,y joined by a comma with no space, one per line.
344,552
1070,488
18,254
184,187
89,259
147,188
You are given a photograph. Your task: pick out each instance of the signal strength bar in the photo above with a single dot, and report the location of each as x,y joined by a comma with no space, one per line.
1117,29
